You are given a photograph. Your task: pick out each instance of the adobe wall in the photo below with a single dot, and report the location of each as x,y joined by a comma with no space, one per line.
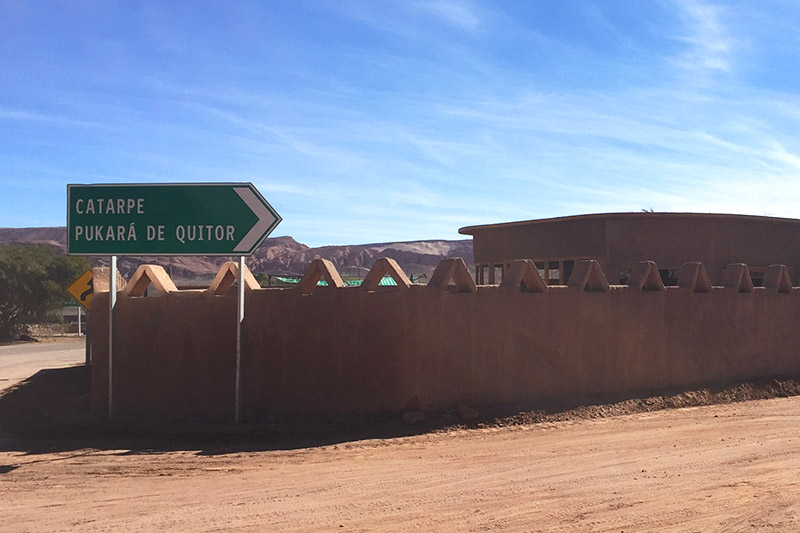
347,350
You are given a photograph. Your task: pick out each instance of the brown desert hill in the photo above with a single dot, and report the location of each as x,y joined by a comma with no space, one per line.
275,256
417,258
56,237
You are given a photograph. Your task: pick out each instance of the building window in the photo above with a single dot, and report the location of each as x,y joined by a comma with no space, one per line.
481,274
540,268
497,275
553,272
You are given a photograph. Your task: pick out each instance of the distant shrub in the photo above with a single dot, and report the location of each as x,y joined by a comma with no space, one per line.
33,280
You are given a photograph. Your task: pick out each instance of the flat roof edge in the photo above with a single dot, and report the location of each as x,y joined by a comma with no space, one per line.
470,230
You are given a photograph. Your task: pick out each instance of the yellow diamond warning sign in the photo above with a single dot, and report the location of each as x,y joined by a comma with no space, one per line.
82,289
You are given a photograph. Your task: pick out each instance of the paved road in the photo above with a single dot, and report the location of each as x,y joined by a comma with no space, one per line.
20,361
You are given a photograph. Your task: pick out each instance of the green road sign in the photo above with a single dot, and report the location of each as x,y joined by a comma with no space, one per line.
167,219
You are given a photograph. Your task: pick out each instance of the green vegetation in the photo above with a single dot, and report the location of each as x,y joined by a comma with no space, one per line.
262,278
32,284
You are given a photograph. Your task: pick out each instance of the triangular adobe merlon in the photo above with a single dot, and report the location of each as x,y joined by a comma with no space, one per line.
645,277
319,269
523,275
588,276
452,268
776,278
693,276
383,266
737,278
144,276
227,275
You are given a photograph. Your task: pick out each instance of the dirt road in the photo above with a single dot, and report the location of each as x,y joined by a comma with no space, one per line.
732,467
20,361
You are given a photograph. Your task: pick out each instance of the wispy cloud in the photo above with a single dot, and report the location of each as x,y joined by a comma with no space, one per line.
780,154
268,186
710,44
455,12
32,116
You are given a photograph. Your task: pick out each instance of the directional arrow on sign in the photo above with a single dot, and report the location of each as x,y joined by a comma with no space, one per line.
167,219
266,219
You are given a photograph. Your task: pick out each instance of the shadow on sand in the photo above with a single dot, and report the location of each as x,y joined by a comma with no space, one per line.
50,412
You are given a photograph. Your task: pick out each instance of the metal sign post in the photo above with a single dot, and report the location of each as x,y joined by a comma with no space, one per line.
88,357
112,302
239,320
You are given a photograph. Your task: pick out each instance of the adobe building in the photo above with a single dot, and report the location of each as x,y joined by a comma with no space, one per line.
619,240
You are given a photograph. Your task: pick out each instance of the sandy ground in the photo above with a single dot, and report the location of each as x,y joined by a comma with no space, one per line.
733,467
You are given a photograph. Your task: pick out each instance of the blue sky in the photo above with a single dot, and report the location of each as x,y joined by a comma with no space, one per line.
381,121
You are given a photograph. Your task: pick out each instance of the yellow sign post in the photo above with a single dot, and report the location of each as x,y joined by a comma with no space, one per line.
82,289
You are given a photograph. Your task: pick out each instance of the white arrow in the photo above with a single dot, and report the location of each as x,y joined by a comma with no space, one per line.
266,218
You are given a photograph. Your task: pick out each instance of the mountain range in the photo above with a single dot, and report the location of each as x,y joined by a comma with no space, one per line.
280,256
